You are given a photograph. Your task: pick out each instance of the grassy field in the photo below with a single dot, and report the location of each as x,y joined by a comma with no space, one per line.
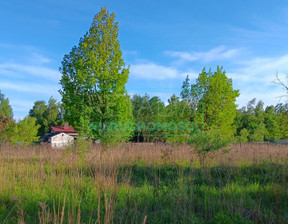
144,183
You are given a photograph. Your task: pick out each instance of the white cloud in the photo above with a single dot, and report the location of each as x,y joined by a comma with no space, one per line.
25,61
9,73
260,70
215,54
255,78
21,108
252,76
39,59
263,31
28,87
152,71
30,70
270,97
26,75
21,105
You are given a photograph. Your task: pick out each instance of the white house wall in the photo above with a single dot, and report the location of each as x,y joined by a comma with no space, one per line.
61,140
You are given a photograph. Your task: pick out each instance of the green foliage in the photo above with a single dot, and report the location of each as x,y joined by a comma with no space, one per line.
128,191
216,92
185,92
4,123
244,133
5,114
207,142
269,124
180,112
93,82
147,111
258,133
207,104
282,119
46,115
24,132
5,108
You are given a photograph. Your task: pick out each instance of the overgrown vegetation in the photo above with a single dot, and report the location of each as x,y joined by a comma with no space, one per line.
200,181
23,132
47,115
144,183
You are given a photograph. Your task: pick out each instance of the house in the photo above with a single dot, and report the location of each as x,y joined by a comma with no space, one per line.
60,136
60,140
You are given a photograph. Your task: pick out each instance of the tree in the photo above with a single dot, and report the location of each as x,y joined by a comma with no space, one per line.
6,114
93,83
181,114
243,137
271,124
281,111
38,111
138,114
24,132
5,108
185,89
53,113
260,125
281,83
4,122
211,140
216,92
259,112
282,119
214,101
148,114
46,115
259,130
248,117
258,133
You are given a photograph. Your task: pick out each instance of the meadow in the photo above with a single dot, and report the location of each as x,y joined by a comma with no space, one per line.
144,183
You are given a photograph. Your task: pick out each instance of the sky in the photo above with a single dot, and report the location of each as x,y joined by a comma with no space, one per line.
162,42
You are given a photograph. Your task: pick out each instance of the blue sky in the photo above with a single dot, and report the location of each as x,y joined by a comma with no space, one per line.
162,41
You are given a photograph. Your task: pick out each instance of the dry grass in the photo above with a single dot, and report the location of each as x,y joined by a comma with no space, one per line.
44,185
150,153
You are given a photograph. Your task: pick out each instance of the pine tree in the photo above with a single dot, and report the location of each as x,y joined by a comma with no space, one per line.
185,92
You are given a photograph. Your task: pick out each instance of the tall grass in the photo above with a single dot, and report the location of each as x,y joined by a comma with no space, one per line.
144,183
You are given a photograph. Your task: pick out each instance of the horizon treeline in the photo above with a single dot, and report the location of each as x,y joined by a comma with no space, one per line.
206,104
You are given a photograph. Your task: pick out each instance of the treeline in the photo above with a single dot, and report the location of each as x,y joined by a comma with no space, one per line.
31,128
215,110
252,123
204,105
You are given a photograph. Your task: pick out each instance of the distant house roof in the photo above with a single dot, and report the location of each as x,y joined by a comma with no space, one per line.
64,129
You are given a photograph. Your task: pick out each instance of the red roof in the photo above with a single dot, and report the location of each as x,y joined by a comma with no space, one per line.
68,129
